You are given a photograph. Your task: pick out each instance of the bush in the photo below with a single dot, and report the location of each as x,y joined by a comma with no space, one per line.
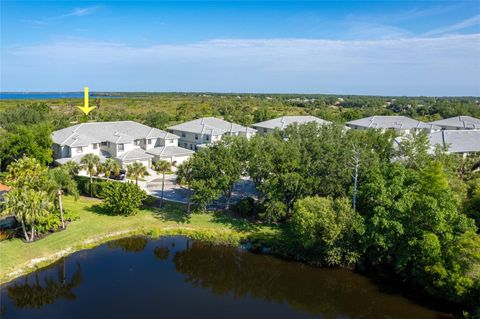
122,198
246,207
53,221
328,228
97,186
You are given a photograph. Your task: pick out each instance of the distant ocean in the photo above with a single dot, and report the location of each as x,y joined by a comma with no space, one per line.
48,95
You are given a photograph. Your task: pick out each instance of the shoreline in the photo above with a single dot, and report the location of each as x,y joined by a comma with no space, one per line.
215,237
94,228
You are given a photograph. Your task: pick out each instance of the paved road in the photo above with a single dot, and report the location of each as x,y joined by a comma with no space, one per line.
176,193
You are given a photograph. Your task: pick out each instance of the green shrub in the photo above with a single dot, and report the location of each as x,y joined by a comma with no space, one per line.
122,198
52,222
97,186
246,207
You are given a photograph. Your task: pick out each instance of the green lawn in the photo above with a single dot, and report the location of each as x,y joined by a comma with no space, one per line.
95,227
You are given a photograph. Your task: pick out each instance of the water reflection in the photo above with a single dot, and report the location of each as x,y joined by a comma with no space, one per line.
162,251
140,278
329,293
37,294
130,244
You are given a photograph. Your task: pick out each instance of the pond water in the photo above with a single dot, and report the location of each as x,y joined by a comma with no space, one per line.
174,277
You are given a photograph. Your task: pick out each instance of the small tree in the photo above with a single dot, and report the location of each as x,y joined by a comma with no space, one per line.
26,172
28,206
162,167
110,166
329,228
60,182
227,158
136,170
185,176
72,167
123,198
91,162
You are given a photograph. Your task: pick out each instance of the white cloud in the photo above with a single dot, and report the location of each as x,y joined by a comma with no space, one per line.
470,22
77,12
376,31
431,66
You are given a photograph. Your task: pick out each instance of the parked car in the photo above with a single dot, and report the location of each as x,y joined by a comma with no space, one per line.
122,175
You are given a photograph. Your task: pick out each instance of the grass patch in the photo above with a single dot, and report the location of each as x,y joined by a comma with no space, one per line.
95,227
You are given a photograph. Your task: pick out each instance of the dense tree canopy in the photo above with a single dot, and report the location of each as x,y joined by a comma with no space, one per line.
410,208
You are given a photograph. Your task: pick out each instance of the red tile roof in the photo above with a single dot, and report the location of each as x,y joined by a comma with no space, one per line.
4,188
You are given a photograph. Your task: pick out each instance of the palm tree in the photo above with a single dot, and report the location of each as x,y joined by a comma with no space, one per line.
61,182
136,170
91,162
110,166
185,176
72,167
163,167
27,205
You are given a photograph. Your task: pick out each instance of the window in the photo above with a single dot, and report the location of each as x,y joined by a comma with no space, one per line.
196,136
185,145
78,149
207,137
183,134
265,130
191,146
121,147
149,141
104,143
95,146
137,142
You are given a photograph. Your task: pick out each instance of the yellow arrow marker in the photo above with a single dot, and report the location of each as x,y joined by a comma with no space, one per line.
86,109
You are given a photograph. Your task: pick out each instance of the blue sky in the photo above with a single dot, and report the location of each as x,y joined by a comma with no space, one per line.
344,47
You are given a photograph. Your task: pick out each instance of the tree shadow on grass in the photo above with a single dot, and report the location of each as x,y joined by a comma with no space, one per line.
170,212
238,223
99,209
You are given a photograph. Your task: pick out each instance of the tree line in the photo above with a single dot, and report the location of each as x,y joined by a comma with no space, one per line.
415,210
26,127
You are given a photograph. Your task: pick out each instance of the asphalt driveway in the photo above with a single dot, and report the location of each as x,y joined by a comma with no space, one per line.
176,193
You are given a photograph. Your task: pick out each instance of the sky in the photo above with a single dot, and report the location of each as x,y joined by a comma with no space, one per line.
385,47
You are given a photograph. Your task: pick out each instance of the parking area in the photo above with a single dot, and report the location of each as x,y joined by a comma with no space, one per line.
176,193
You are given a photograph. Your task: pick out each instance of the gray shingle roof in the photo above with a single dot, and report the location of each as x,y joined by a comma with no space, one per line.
457,141
394,122
284,121
461,122
211,125
171,150
133,155
116,132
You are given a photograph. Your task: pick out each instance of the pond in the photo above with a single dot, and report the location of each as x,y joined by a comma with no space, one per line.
174,277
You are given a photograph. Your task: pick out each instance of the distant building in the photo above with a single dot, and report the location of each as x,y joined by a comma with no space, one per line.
458,123
198,133
124,141
281,123
456,141
401,124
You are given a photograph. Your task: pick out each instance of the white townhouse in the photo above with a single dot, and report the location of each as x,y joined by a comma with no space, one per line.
401,124
281,123
201,132
458,123
124,141
456,141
